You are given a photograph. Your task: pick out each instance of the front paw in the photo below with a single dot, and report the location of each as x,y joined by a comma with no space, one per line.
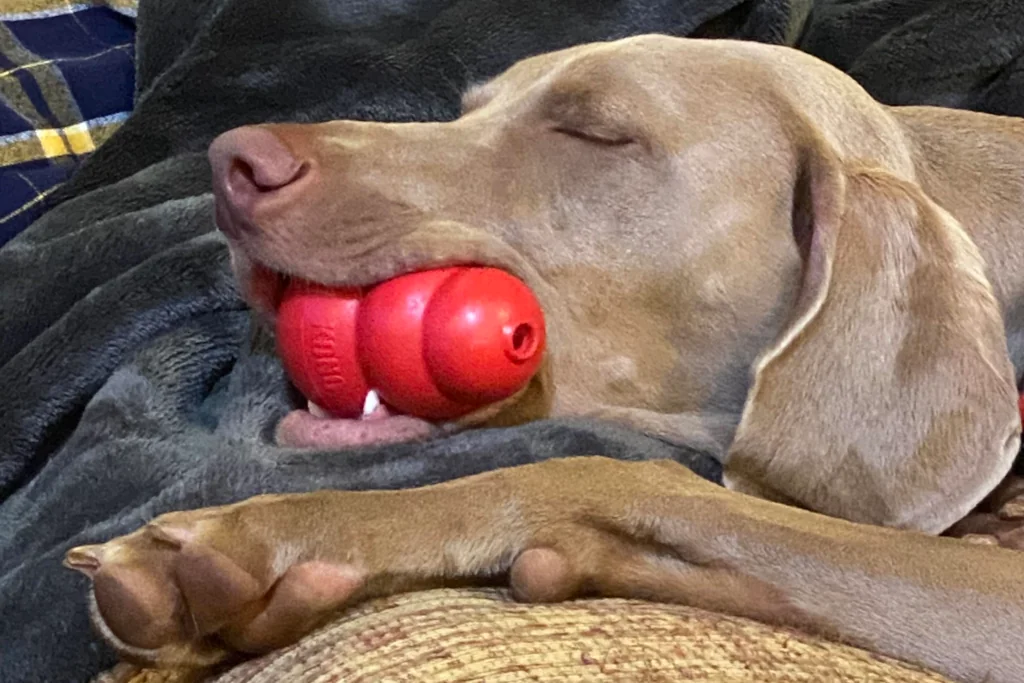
192,588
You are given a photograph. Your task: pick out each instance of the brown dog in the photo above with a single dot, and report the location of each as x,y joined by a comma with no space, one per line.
737,249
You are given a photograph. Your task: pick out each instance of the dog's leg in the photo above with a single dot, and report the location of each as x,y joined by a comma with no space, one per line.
259,574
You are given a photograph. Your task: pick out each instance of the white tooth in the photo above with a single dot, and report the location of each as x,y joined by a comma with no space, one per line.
315,410
371,403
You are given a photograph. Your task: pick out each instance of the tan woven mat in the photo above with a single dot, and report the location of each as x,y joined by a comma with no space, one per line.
481,635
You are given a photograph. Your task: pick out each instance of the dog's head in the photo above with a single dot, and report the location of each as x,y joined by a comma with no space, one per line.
686,211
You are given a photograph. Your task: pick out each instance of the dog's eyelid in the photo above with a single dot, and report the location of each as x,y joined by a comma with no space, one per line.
580,117
607,138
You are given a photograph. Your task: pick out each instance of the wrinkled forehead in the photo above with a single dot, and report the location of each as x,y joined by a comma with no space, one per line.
664,84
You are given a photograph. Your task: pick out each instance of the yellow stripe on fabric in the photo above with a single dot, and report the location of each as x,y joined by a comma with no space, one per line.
22,67
50,143
40,196
79,138
62,60
40,7
20,151
14,10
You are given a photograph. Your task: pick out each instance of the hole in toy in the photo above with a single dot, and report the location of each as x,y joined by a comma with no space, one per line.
524,342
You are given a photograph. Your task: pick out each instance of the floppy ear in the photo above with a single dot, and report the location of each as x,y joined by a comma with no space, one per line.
888,397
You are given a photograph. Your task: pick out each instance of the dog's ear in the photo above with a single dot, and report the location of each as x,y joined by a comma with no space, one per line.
888,397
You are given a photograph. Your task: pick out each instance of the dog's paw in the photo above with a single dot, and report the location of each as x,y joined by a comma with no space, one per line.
999,520
191,588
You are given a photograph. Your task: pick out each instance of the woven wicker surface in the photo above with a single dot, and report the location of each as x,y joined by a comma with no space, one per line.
481,635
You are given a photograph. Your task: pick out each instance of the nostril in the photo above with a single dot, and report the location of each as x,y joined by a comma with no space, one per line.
240,177
265,178
251,161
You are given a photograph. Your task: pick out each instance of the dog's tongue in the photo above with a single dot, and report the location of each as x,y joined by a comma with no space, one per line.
313,428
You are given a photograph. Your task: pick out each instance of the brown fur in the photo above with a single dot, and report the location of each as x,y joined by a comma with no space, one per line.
736,248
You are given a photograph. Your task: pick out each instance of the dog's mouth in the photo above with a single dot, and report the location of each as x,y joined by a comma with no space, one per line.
312,427
308,425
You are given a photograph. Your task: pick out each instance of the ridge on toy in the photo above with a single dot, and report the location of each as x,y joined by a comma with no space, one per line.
435,344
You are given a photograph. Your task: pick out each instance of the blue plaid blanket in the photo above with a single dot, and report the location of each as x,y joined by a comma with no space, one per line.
67,79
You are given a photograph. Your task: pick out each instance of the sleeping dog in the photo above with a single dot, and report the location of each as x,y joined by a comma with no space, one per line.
737,249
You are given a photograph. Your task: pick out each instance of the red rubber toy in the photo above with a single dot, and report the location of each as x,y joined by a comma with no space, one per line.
436,344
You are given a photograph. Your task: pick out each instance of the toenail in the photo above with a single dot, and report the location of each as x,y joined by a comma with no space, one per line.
84,558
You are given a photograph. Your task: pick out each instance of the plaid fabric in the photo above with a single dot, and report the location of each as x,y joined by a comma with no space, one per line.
67,78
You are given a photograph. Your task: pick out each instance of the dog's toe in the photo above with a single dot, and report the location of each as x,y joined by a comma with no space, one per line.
297,604
139,603
162,593
190,589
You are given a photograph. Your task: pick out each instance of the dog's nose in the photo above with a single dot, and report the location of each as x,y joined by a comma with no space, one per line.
250,165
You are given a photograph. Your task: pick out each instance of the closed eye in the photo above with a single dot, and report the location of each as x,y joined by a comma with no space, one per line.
607,140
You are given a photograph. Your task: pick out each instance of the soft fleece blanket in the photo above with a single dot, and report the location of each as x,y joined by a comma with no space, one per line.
967,54
131,382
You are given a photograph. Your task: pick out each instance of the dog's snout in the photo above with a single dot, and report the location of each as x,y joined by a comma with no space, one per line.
250,165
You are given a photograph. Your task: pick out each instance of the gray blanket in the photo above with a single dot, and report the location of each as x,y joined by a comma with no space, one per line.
132,382
967,54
